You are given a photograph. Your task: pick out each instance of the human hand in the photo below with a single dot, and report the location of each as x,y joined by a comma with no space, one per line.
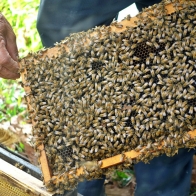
8,51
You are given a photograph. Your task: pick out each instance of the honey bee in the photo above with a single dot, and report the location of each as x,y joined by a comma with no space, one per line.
99,163
136,58
122,157
138,148
120,26
116,142
156,45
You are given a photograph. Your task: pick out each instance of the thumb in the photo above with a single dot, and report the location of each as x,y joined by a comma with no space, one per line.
6,60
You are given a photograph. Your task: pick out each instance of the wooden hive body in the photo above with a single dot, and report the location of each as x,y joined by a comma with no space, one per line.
15,182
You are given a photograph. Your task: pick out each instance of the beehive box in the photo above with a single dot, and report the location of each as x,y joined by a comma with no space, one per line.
15,182
118,94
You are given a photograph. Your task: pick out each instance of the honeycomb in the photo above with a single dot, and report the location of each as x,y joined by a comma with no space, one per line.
8,189
113,92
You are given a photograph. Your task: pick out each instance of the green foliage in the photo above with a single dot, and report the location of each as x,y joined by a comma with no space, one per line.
120,175
20,147
192,191
123,177
22,15
11,96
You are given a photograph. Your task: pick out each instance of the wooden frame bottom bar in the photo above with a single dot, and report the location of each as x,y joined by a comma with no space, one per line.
115,160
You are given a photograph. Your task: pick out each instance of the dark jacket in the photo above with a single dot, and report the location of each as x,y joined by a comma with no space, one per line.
57,19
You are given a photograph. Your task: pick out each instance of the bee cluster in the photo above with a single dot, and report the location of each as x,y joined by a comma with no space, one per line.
114,92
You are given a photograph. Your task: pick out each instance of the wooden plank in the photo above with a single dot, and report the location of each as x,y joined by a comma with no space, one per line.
20,180
44,164
13,158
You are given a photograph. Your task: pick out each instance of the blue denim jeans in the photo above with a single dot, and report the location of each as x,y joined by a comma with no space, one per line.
164,176
92,188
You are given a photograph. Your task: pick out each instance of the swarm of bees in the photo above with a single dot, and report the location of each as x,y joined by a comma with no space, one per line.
114,92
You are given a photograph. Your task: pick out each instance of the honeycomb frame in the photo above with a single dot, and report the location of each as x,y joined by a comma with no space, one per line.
142,153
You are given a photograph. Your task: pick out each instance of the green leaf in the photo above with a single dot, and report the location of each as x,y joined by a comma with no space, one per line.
129,171
121,174
19,149
21,145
